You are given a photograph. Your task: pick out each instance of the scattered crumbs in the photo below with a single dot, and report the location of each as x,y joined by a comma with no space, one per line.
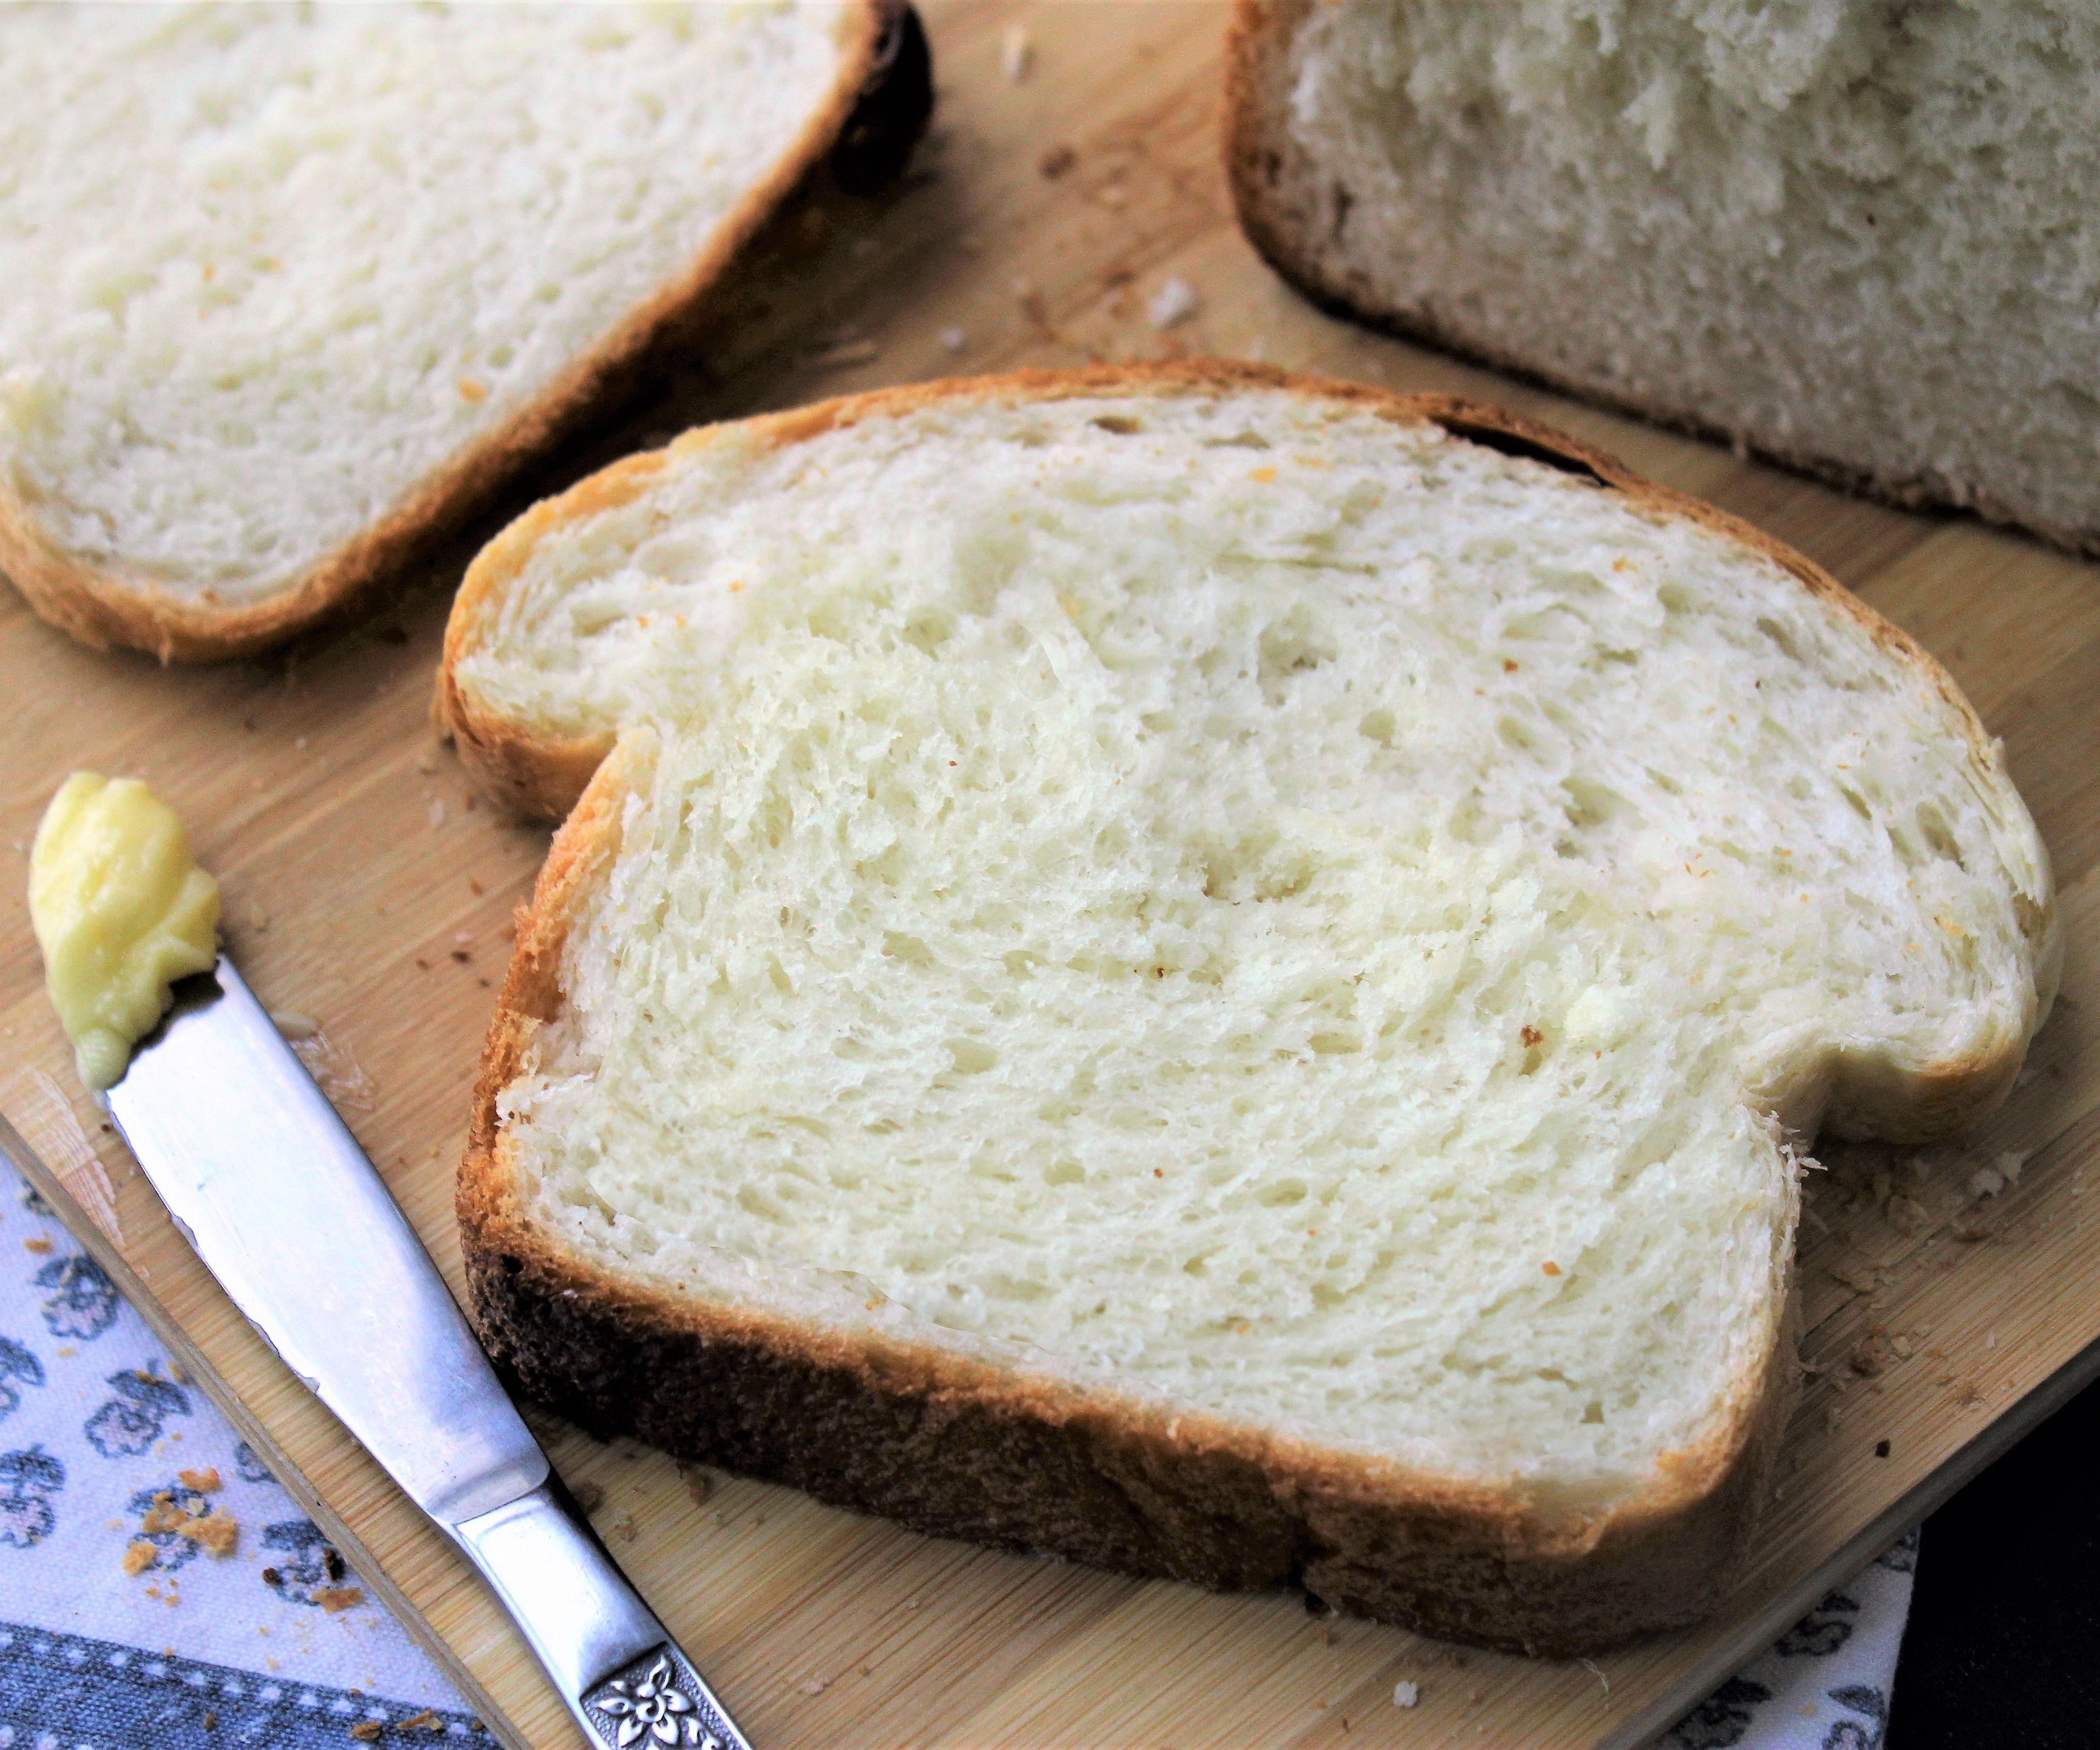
210,1718
1973,1225
39,1245
271,1577
699,1483
470,388
427,762
1906,1216
1550,1268
1175,300
911,1604
1833,1416
953,340
1881,1449
335,1600
462,957
475,888
1990,1341
815,1687
1406,1695
138,1556
623,1528
1016,53
426,1722
589,1497
333,1564
366,1731
1056,161
1871,1355
299,741
218,1532
437,814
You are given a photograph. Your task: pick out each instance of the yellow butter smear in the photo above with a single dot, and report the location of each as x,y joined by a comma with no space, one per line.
120,910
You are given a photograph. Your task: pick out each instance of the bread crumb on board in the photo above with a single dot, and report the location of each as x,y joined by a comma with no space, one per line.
1174,302
1016,53
138,1556
335,1600
366,1731
1406,1695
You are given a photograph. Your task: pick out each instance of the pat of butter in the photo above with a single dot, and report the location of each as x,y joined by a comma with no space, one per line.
120,910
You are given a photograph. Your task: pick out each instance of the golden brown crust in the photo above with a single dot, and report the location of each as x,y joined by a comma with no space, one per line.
107,609
1257,50
956,1446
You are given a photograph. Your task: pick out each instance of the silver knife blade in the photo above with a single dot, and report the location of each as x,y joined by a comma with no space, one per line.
272,1189
273,1194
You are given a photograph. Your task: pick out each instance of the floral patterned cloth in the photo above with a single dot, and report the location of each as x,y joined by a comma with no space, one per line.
119,1631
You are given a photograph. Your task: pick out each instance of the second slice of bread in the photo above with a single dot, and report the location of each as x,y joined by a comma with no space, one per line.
290,290
1217,974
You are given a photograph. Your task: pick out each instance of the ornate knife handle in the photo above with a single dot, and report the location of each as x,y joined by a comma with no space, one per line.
623,1676
659,1699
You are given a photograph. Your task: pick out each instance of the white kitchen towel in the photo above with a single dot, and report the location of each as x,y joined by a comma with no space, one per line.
277,1645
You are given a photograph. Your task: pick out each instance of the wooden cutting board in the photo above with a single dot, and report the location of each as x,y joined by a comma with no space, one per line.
366,889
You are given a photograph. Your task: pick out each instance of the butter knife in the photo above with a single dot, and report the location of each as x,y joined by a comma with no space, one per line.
270,1187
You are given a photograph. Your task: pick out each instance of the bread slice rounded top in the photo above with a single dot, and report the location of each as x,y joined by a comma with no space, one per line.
291,290
1306,922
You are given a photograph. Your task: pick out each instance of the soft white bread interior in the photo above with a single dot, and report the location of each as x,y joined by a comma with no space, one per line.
1852,235
285,285
1237,899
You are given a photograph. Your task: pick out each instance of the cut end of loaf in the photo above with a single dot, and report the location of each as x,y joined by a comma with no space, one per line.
1251,918
1796,235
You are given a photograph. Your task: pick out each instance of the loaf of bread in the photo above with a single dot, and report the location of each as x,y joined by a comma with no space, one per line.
1216,974
1854,237
288,290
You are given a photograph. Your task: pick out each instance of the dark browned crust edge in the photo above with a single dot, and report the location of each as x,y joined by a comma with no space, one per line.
1257,45
879,105
957,1447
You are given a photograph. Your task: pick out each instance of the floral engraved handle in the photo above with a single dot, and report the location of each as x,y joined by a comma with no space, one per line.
660,1700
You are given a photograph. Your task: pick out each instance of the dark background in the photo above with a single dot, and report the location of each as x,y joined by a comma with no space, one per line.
2004,1642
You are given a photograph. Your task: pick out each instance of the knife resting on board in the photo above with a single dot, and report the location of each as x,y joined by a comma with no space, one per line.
271,1188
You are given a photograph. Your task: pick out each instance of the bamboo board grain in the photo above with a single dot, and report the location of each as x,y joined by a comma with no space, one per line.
366,889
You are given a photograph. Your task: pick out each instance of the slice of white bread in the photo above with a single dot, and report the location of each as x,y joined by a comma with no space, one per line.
1854,237
1215,973
290,289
